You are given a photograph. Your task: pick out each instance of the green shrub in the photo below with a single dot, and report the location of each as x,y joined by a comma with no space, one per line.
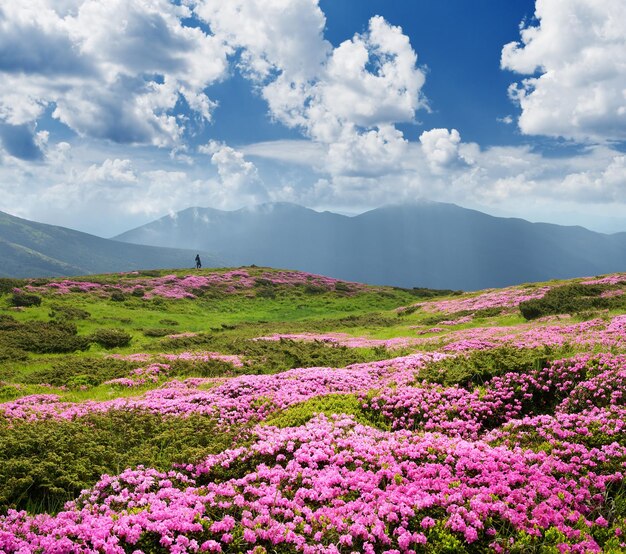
25,299
169,322
68,371
275,356
481,365
10,354
62,312
568,299
7,285
330,404
111,338
8,322
157,332
46,463
314,289
118,296
44,337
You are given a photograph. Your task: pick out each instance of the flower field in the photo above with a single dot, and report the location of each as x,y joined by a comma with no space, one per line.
265,411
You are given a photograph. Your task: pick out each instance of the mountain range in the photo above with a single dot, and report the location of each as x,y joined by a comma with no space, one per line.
29,249
426,244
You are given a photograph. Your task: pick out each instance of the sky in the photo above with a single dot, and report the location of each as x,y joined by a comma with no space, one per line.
116,112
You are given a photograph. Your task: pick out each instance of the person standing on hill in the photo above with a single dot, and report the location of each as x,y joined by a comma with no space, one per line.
198,262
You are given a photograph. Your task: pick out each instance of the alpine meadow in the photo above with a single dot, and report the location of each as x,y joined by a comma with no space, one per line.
312,277
260,410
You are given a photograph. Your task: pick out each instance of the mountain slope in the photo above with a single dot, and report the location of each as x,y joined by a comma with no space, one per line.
30,249
425,244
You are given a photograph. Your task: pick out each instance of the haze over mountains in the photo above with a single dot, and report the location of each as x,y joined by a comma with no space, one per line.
29,249
425,244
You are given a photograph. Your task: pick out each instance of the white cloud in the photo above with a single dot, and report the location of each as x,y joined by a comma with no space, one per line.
111,69
441,148
273,35
239,179
120,171
579,49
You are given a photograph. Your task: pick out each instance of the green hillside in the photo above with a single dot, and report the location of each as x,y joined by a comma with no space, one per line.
29,249
309,395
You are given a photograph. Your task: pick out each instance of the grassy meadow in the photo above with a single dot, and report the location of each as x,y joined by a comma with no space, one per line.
263,410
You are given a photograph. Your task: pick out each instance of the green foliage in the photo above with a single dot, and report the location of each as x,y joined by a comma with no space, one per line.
25,299
46,463
118,296
7,285
570,299
481,365
169,322
68,313
330,404
274,356
43,337
11,354
111,338
157,332
85,370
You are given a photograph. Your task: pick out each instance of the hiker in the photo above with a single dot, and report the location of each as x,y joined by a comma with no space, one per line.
198,262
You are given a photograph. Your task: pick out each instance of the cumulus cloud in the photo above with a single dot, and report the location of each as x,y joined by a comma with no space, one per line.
117,171
441,148
239,178
367,81
111,69
578,47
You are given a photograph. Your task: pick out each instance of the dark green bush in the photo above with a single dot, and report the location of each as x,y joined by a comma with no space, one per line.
7,285
275,356
46,463
481,365
169,322
25,299
568,299
62,312
68,371
157,332
265,292
10,354
111,338
8,322
314,289
44,337
341,286
118,296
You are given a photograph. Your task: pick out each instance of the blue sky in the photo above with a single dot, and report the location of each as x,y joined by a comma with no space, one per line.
115,112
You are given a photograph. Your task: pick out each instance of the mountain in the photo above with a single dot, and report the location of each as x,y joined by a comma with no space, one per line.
29,249
425,244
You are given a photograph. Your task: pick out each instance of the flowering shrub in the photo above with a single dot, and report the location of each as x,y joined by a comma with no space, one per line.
332,486
489,439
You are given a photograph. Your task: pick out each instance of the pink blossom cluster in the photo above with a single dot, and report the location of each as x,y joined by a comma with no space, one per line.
154,372
593,333
566,385
175,287
236,400
203,356
615,279
498,298
232,359
335,486
343,339
65,286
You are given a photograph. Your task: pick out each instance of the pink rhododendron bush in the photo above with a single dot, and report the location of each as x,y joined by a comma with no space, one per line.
472,428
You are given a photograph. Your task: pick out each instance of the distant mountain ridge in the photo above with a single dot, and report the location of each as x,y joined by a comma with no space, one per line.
424,244
30,249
